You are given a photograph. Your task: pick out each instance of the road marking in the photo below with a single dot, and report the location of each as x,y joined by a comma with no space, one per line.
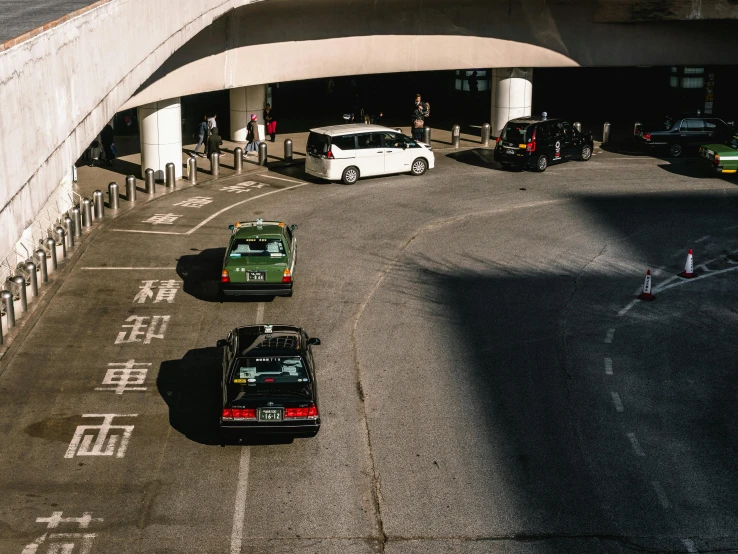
239,511
281,178
636,445
610,335
661,493
684,282
147,232
608,366
689,545
618,403
703,238
126,268
628,307
730,228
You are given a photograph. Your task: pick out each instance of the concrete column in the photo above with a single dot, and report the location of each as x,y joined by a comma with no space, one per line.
161,137
244,102
512,95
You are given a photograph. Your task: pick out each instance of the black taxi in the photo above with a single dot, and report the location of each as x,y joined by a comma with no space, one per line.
537,142
268,382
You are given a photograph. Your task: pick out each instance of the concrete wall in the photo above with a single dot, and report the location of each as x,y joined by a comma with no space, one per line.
60,87
284,40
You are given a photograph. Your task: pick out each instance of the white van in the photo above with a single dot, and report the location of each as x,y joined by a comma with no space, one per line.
347,152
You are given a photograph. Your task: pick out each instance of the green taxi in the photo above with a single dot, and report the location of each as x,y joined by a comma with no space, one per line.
721,158
259,260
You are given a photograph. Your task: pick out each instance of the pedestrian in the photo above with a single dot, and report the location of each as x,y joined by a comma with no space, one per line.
473,82
214,142
418,118
107,136
252,135
271,122
202,132
212,123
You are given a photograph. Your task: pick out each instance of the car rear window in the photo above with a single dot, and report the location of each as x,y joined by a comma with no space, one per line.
257,247
278,369
318,144
515,132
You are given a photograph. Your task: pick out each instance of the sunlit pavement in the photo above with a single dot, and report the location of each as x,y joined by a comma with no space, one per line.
487,383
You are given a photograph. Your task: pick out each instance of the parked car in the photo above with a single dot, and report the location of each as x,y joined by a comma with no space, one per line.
682,135
348,152
721,157
537,142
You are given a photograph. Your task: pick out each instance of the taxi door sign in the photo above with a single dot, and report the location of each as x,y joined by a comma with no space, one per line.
558,150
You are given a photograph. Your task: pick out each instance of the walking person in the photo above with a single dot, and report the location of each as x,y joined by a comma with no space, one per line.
107,136
271,122
202,132
252,135
214,142
212,123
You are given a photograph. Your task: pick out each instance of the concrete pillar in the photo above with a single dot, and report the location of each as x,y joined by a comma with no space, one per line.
161,137
512,95
244,102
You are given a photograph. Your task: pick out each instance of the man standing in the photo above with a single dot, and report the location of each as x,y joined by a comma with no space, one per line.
214,142
202,132
108,137
418,118
211,123
271,122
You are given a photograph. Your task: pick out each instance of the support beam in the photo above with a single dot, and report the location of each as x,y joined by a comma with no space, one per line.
244,102
512,95
161,137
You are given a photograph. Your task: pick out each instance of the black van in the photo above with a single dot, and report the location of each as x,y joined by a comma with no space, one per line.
535,142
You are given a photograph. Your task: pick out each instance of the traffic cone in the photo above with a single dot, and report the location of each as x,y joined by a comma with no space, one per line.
646,294
688,272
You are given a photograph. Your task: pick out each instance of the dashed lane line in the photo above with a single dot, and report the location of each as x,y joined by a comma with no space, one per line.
661,494
126,268
280,178
681,282
703,239
610,335
608,366
689,545
636,445
617,401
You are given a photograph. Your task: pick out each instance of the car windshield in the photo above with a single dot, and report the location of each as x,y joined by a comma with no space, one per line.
287,369
272,248
318,144
733,143
514,132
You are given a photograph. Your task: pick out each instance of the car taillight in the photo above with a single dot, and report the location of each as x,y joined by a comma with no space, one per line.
287,276
329,154
224,278
531,146
301,413
646,136
717,159
497,140
239,413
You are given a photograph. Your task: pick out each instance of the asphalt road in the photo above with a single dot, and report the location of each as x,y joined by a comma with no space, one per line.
17,17
487,382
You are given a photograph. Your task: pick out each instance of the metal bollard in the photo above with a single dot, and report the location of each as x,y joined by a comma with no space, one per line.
7,299
51,247
32,278
43,269
150,182
262,153
59,234
131,188
577,126
113,196
192,170
20,284
171,178
86,213
427,135
77,220
238,159
214,165
455,135
99,204
485,134
288,150
606,132
69,228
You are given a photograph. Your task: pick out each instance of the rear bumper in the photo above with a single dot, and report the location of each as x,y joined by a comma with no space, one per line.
307,428
515,160
256,289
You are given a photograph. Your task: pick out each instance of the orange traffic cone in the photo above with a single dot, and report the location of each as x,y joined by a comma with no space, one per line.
646,294
688,272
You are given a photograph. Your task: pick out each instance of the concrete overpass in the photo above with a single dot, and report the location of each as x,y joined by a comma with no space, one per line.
61,83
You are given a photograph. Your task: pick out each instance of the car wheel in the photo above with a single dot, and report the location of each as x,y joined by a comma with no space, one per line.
350,175
541,163
675,150
419,167
586,152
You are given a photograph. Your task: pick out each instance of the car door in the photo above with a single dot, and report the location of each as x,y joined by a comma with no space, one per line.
369,154
692,132
556,140
397,157
569,143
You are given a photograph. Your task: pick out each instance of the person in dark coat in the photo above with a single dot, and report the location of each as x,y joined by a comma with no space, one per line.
271,122
252,135
108,141
202,132
214,142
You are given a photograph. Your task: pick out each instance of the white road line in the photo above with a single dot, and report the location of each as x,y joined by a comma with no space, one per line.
147,232
126,268
618,403
730,228
685,281
239,511
628,307
610,335
636,445
608,366
689,545
703,238
281,178
661,493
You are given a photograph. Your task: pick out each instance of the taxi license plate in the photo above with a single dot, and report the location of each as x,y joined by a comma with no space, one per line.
257,276
509,151
271,414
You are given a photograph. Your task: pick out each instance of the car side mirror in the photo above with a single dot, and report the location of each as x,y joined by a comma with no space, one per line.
293,227
404,145
314,341
221,343
230,227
